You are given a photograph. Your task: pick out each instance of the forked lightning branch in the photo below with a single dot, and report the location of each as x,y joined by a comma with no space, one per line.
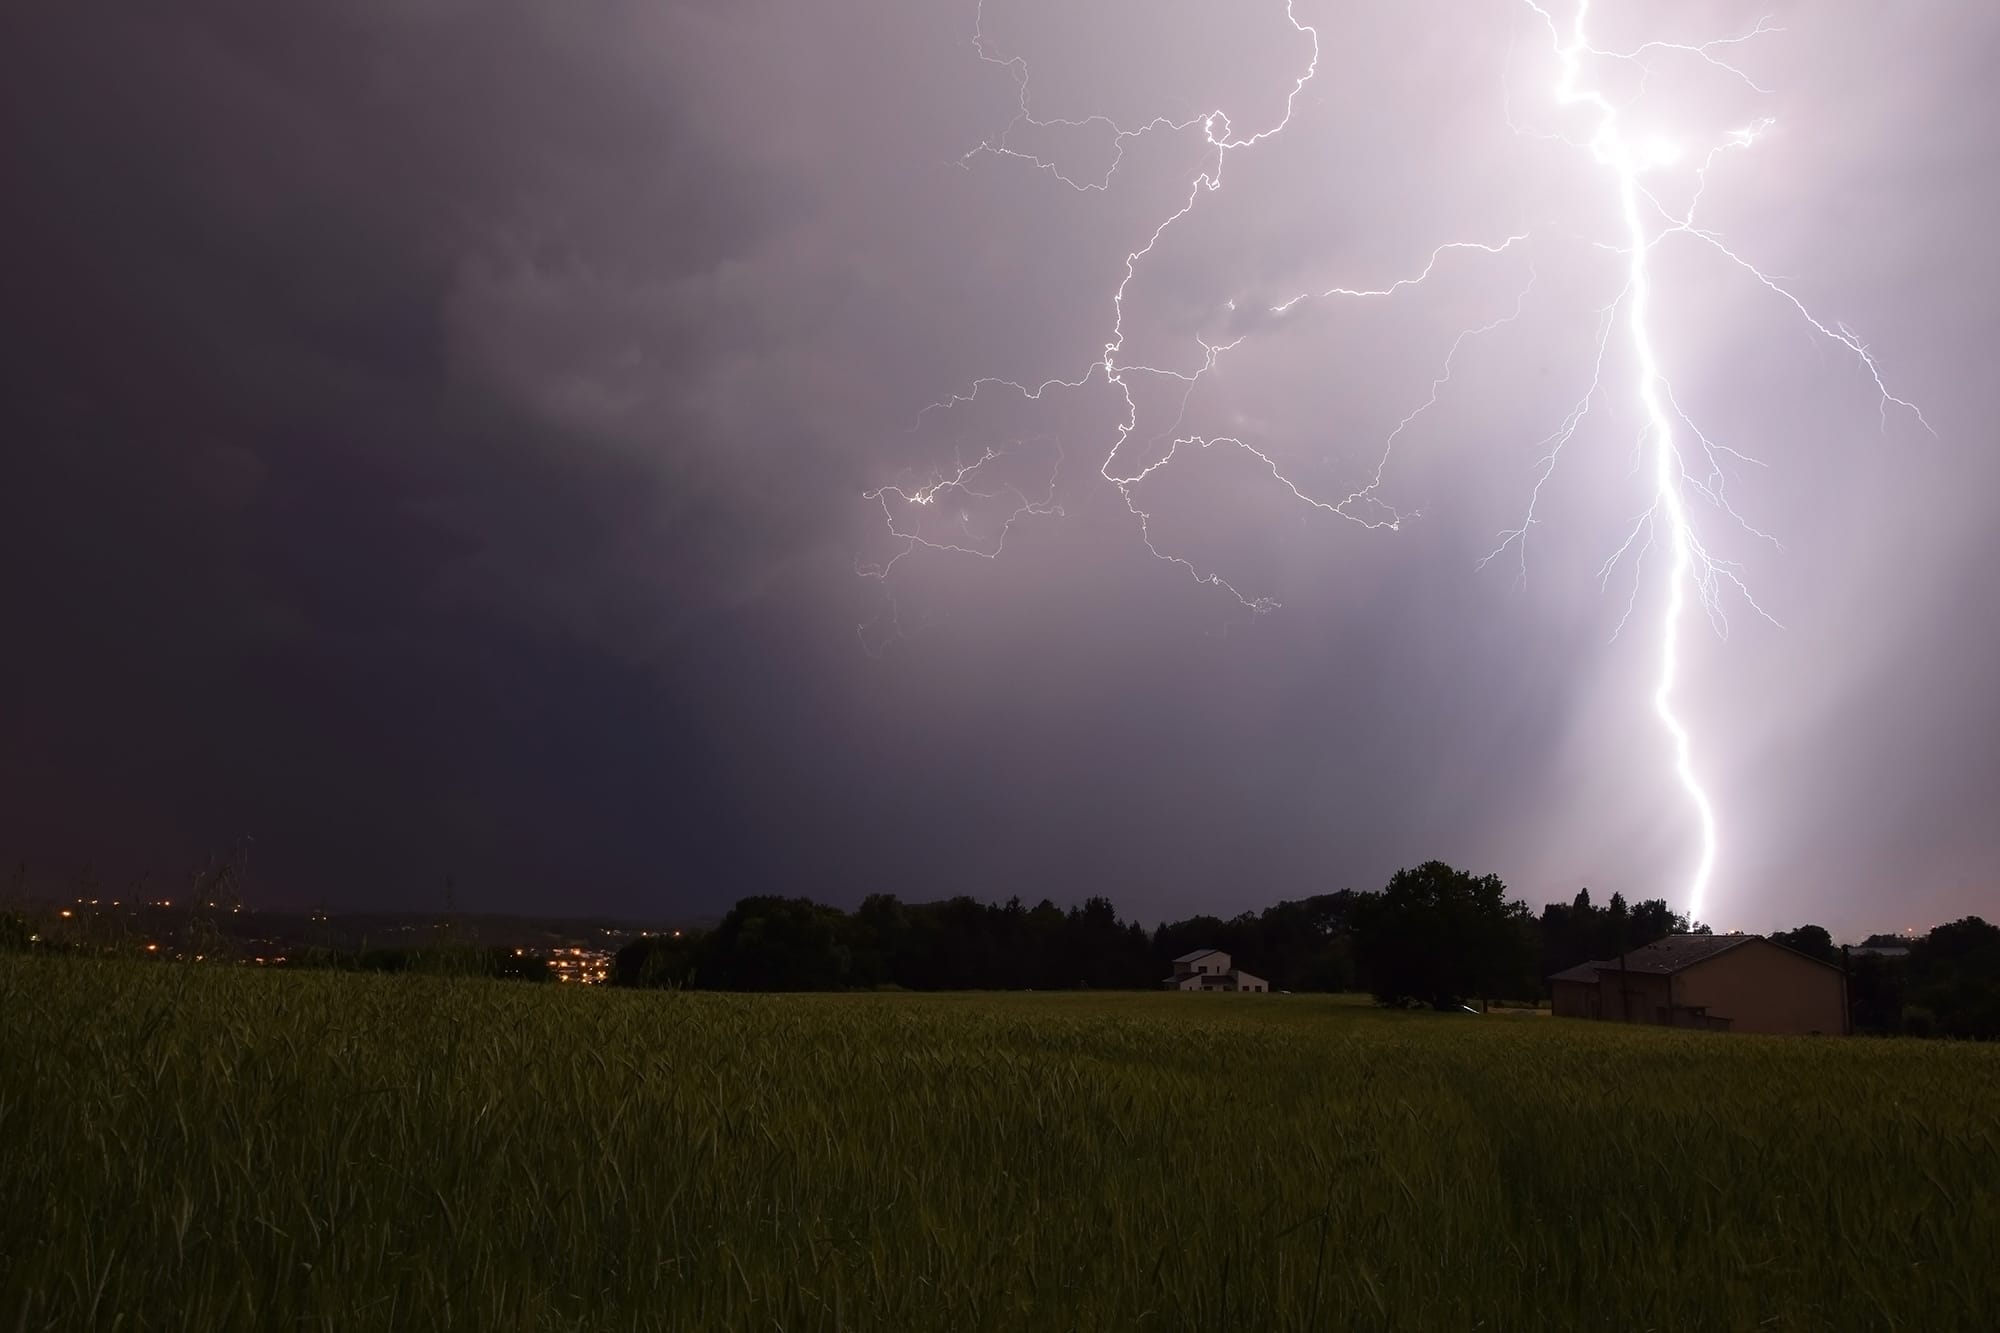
1684,467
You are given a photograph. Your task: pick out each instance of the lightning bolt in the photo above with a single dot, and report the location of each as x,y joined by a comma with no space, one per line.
1689,562
1669,441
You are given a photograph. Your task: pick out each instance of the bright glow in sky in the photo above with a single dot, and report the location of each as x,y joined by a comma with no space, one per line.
1610,92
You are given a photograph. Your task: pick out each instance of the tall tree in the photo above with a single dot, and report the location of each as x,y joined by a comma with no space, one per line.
1440,936
1812,941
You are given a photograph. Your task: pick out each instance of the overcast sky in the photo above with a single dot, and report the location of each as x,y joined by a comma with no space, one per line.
436,436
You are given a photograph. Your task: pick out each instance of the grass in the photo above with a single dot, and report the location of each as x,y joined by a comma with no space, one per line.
224,1148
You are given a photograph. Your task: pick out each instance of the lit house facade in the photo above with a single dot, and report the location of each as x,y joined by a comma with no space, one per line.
1210,970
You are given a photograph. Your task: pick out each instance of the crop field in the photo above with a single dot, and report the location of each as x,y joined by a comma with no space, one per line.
224,1148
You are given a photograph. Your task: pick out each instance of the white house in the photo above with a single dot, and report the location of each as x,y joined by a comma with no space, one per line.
1209,970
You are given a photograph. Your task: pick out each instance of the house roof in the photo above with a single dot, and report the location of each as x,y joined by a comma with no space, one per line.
1198,953
1664,957
1675,952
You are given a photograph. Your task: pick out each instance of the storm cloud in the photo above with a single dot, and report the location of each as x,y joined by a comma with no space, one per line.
436,438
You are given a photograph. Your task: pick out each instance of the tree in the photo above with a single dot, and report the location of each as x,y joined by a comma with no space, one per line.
668,960
882,936
776,944
1812,941
1875,990
1617,925
1299,945
1440,936
1577,932
1954,976
1653,919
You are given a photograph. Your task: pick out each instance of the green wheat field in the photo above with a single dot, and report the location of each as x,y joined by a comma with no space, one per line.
223,1148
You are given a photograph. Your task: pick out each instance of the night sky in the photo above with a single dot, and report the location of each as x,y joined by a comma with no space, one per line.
435,439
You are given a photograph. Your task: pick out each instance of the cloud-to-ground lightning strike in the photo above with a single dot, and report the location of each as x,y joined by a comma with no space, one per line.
1669,436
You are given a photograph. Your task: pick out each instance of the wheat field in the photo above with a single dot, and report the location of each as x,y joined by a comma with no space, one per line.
197,1147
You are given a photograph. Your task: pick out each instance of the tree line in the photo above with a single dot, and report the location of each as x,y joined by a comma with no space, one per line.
1434,935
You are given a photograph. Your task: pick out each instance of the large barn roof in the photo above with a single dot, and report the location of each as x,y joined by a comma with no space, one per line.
1663,957
1675,952
1198,953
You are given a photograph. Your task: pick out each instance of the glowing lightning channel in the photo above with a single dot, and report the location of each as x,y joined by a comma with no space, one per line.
1609,148
1691,564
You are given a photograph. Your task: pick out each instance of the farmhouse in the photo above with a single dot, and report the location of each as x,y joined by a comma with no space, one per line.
1209,969
1725,983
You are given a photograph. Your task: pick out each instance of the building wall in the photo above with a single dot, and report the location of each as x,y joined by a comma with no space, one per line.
1632,997
1573,999
1760,987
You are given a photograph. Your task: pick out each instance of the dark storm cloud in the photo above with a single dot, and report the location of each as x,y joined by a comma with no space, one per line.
436,433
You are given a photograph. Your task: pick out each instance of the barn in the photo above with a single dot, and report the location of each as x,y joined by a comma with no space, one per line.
1726,983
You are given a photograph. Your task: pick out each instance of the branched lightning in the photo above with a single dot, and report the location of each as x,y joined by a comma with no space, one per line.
1680,460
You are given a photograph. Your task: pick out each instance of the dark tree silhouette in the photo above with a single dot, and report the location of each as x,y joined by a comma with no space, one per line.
776,944
1442,936
1812,941
1436,936
1953,982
